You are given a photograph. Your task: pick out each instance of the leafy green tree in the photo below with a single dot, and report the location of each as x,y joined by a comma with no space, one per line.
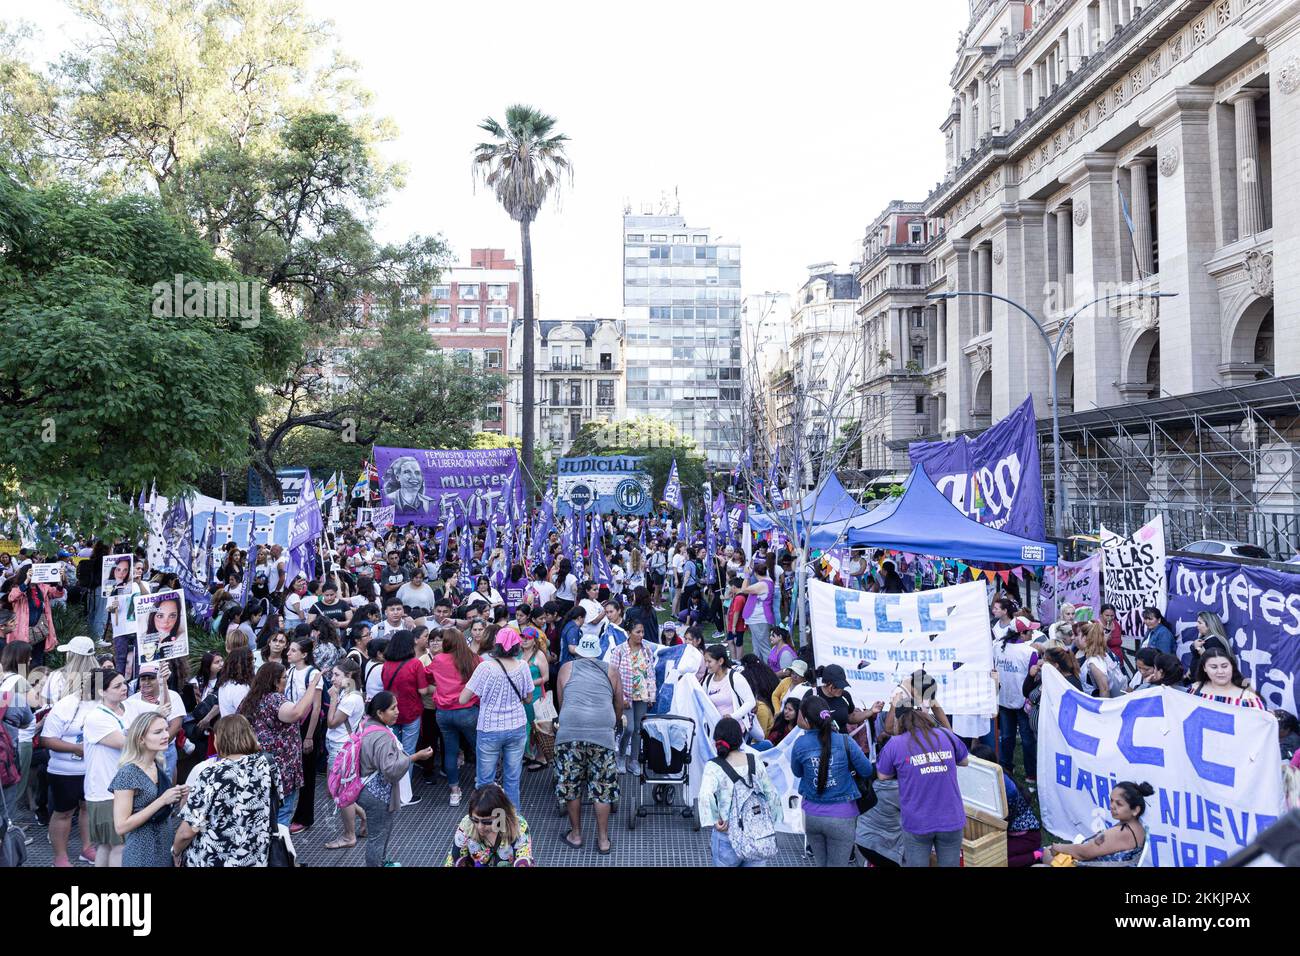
522,164
106,387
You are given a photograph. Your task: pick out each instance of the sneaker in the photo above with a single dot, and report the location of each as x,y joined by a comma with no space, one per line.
634,768
61,861
415,798
189,746
454,799
391,863
87,859
296,828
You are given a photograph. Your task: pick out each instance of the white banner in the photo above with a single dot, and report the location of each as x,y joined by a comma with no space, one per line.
1135,574
1217,775
51,573
1070,582
881,639
239,523
689,700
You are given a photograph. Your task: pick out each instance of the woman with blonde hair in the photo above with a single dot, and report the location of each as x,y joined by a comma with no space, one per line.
143,795
1092,671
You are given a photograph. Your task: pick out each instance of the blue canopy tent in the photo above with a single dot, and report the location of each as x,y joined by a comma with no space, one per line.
923,521
830,504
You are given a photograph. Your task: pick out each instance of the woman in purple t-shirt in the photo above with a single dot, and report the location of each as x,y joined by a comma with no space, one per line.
925,757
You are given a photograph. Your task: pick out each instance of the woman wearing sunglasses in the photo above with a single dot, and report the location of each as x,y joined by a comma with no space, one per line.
493,833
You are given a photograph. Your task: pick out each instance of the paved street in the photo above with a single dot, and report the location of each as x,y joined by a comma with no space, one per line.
422,834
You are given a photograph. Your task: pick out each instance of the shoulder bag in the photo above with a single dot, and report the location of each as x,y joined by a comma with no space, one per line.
866,786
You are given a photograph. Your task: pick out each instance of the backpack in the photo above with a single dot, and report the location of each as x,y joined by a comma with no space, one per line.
751,826
345,780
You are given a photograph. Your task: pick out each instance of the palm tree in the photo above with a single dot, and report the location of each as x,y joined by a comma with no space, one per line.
522,164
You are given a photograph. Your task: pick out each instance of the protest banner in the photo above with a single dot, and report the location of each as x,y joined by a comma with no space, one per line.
605,484
116,572
161,629
1217,779
1134,575
690,700
51,573
994,478
1260,610
882,639
1070,582
427,487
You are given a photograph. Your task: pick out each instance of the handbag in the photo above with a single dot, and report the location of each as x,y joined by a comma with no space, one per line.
866,786
544,709
280,851
13,842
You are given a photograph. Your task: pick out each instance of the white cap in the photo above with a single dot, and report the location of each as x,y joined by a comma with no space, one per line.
78,645
589,646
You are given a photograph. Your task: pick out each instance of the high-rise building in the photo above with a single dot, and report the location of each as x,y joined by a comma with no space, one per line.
681,302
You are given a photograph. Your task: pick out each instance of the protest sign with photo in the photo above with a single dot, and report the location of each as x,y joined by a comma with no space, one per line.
117,572
429,486
161,631
1217,778
1134,570
1260,610
47,573
881,639
1070,582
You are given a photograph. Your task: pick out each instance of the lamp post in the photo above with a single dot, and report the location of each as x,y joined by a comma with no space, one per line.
1053,351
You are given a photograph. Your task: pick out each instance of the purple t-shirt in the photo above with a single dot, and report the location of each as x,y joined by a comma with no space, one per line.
928,795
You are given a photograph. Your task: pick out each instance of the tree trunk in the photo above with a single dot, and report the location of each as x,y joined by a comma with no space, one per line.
527,405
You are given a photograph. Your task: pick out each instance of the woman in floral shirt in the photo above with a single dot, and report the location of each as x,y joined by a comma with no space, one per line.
492,834
226,820
636,668
275,723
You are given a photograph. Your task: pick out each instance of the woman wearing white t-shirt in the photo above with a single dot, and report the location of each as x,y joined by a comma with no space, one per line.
63,735
235,680
296,603
566,586
105,736
347,708
541,591
595,611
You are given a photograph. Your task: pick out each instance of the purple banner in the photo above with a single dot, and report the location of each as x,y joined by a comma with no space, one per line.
994,478
1260,610
426,487
1072,582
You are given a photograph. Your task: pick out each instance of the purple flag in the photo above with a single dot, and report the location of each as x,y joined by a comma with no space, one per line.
994,478
307,522
673,487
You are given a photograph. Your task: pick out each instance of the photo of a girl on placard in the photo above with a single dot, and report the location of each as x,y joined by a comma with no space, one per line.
116,574
162,629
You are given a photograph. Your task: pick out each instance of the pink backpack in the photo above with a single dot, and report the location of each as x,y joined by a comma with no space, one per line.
345,780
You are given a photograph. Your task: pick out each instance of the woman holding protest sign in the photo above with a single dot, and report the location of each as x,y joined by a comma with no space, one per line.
1217,678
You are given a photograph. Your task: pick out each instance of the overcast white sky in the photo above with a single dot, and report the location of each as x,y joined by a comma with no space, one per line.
785,126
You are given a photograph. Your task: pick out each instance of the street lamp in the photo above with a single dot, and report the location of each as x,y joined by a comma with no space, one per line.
1053,351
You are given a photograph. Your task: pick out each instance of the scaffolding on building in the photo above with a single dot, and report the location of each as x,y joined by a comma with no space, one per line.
1221,464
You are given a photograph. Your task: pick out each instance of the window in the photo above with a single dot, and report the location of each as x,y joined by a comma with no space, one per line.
700,240
635,238
440,292
499,316
918,320
920,404
606,361
492,413
467,314
917,232
441,314
679,238
660,238
468,290
492,358
498,291
463,357
605,393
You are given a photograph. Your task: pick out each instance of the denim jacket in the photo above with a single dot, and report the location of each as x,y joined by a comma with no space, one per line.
805,759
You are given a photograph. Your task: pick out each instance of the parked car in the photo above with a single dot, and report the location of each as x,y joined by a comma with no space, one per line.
1237,549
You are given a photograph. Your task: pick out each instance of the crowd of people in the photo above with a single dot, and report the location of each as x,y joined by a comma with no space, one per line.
387,677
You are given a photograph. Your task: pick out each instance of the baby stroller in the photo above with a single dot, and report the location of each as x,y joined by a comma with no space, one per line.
666,742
